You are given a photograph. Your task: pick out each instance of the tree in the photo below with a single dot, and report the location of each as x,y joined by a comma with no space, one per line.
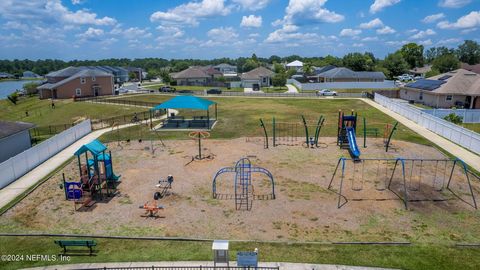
249,65
132,76
413,54
274,59
279,79
181,65
445,63
395,64
278,68
30,88
469,52
307,69
165,76
359,62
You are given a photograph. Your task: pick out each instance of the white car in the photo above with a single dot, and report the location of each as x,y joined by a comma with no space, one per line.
326,92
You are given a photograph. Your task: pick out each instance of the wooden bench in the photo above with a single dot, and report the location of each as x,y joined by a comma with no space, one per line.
76,243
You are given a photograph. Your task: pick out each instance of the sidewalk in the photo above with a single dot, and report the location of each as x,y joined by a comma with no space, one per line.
291,89
468,157
10,192
283,266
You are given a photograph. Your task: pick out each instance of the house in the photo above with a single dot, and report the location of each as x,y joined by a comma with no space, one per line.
14,138
341,74
120,75
472,68
140,74
258,77
30,74
317,71
77,82
4,75
226,69
197,75
296,65
421,71
458,88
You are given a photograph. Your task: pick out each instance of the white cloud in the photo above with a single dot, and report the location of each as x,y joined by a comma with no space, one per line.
357,45
411,31
453,3
467,31
14,25
423,34
135,32
427,42
172,31
449,41
92,34
251,21
77,17
396,43
348,32
191,12
77,2
368,39
379,5
433,18
309,10
290,32
254,35
470,20
386,30
222,34
375,23
252,4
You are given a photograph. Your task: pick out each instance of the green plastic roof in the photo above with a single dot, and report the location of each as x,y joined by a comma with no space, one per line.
95,147
185,102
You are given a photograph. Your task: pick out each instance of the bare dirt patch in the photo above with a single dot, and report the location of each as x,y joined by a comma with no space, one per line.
304,209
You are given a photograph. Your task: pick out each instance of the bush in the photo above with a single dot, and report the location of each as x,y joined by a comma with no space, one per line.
13,97
456,119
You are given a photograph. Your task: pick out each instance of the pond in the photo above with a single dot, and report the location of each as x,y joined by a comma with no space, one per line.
8,87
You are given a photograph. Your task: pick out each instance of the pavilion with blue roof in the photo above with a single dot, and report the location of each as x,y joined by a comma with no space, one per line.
188,103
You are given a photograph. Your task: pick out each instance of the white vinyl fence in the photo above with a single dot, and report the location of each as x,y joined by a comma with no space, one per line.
16,166
342,85
468,116
462,136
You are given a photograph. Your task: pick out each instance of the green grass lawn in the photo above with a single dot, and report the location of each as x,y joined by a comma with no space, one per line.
66,111
403,257
239,117
475,127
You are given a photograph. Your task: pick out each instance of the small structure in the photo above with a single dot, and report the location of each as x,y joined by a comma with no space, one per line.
14,138
30,74
220,252
175,122
243,186
247,258
420,71
257,78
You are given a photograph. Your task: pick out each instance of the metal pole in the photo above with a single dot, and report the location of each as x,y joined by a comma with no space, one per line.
364,132
306,131
274,134
199,146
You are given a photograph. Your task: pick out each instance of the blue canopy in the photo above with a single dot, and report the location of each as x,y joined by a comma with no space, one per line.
95,147
185,102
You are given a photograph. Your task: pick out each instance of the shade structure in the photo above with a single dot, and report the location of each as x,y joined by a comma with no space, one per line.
185,102
95,147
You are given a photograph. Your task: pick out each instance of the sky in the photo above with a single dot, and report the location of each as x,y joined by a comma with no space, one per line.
205,29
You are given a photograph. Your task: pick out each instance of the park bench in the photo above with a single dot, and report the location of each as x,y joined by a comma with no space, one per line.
372,132
76,243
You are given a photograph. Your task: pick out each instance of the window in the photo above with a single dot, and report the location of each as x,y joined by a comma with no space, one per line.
83,80
94,79
264,79
421,96
78,92
448,97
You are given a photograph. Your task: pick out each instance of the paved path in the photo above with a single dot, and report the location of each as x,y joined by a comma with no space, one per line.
250,90
10,192
283,266
454,149
291,89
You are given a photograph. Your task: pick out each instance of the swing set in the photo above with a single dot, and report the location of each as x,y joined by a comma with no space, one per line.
410,180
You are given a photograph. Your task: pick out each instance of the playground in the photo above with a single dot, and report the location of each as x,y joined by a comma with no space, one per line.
296,206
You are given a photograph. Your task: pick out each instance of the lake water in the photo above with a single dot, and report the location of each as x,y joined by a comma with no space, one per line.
8,87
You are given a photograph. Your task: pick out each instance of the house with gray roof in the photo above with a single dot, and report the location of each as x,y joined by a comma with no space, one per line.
342,74
225,68
77,82
30,75
197,76
14,138
457,88
5,75
259,77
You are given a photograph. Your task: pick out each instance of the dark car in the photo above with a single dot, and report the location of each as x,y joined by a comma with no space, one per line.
167,89
214,91
185,92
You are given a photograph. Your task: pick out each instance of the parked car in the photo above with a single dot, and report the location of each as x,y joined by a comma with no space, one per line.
214,91
418,78
185,91
256,87
167,89
405,77
326,92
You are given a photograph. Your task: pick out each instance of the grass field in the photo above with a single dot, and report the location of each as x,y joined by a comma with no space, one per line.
403,257
475,127
280,89
66,111
239,117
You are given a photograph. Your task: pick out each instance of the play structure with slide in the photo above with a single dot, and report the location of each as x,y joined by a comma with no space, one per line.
243,187
96,175
346,137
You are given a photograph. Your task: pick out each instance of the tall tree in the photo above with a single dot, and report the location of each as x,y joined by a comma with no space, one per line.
469,52
446,62
307,68
395,64
359,62
413,54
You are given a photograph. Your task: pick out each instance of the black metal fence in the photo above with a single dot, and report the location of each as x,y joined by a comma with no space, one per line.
185,268
125,102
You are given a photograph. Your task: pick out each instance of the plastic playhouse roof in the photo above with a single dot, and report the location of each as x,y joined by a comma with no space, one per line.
185,102
95,147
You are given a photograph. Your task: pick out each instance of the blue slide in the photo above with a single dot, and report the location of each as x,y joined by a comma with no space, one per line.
352,141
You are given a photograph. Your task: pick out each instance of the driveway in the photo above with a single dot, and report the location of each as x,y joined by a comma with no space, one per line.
250,90
291,89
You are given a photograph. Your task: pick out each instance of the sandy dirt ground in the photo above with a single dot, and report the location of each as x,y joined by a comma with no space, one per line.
303,210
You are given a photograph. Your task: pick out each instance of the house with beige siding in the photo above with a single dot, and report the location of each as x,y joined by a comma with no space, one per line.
197,76
458,88
257,78
77,82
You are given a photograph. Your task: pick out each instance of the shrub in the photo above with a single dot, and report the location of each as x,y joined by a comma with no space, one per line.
456,119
